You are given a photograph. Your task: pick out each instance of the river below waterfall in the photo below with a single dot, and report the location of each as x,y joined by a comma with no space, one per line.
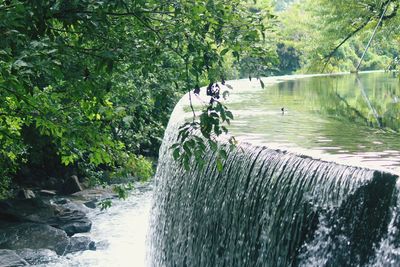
119,232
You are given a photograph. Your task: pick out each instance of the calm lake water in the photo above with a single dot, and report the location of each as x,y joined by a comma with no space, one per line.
339,118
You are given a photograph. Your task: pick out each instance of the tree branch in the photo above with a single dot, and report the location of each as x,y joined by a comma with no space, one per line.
25,99
362,26
328,57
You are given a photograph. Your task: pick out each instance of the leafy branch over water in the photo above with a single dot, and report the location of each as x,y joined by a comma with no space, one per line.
212,123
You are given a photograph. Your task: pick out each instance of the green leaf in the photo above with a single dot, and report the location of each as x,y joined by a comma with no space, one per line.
223,154
213,145
224,51
229,114
220,167
176,153
105,204
20,64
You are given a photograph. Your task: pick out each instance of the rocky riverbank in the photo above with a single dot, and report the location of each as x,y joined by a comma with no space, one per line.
42,225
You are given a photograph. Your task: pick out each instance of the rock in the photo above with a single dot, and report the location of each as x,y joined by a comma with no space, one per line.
81,226
102,245
70,217
62,201
27,210
34,236
71,221
90,204
80,243
76,206
8,258
94,194
72,185
26,194
37,256
49,193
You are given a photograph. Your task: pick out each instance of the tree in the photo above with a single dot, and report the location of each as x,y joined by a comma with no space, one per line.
94,81
332,35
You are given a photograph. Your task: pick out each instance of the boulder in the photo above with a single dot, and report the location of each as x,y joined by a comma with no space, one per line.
34,236
62,201
102,245
37,256
26,194
94,194
71,221
26,210
90,204
80,243
75,206
72,185
8,258
70,217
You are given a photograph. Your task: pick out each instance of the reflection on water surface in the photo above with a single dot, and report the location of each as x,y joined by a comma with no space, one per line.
330,117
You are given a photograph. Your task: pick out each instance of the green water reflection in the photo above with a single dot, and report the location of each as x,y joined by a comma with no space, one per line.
334,116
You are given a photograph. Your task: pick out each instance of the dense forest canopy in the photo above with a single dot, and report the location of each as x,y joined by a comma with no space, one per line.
87,86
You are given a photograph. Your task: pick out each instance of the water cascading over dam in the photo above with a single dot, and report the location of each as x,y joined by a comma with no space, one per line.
270,207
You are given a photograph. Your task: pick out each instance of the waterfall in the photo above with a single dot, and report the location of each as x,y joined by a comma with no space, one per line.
269,208
388,250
